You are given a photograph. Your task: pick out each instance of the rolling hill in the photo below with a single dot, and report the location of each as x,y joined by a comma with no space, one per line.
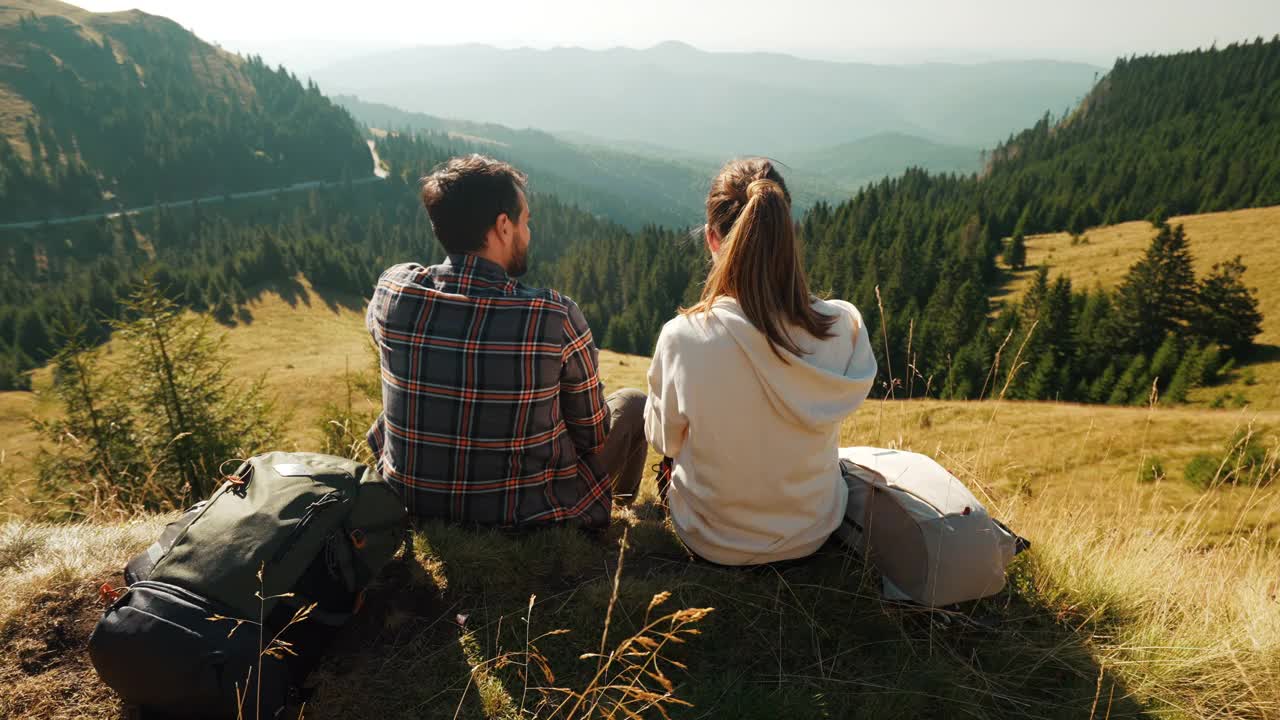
310,386
677,96
854,164
109,110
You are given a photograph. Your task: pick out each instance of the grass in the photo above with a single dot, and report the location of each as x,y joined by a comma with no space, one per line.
52,576
1118,611
1213,237
1140,597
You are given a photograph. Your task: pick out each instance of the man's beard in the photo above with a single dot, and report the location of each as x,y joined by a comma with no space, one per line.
519,263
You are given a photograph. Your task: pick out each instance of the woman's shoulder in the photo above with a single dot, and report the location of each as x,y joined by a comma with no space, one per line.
684,326
687,331
842,309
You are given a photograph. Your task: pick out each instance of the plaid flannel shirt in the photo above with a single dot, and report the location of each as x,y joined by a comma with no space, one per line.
493,408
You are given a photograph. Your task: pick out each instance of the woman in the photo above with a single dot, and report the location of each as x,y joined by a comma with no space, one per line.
748,388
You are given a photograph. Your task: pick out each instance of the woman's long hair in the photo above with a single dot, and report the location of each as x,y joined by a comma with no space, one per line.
759,263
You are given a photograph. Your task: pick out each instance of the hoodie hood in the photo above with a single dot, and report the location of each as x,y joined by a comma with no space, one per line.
816,389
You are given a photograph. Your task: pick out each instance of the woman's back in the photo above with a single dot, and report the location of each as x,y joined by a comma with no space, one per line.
754,432
748,387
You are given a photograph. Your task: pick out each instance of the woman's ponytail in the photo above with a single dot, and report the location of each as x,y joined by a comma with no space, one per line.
759,262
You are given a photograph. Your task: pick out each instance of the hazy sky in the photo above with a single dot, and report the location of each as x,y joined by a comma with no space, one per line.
306,34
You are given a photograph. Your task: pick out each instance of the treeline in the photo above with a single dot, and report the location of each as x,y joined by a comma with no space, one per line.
150,113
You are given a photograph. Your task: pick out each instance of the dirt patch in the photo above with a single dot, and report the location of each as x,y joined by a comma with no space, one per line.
44,659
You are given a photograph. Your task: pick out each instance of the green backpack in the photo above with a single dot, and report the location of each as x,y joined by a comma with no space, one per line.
287,532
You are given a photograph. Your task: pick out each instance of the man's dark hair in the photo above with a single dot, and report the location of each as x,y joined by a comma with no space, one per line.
465,195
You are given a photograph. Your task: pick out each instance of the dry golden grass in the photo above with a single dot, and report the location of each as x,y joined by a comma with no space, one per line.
1253,234
1063,453
1175,590
303,350
19,444
51,575
1194,625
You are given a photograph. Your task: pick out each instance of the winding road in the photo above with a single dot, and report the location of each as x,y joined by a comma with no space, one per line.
379,173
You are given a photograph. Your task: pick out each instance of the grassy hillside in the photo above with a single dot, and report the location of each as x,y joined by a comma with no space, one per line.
1139,599
304,384
103,110
1107,252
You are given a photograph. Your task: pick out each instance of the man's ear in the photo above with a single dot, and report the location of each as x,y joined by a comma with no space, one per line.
503,228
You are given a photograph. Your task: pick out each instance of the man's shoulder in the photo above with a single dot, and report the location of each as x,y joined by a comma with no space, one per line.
553,299
410,272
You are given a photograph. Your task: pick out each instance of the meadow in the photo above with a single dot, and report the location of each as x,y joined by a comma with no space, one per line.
1142,596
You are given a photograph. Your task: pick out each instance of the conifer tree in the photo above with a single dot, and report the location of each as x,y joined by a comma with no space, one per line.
1131,382
191,417
1226,310
1158,295
94,453
1015,253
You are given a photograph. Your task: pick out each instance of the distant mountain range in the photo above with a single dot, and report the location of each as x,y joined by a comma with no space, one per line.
715,104
635,183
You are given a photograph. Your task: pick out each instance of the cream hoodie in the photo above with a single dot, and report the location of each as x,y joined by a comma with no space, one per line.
756,476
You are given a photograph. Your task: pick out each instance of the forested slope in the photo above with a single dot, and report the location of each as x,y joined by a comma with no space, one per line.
100,111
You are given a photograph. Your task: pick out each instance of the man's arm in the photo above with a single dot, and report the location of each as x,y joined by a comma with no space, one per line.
582,401
375,437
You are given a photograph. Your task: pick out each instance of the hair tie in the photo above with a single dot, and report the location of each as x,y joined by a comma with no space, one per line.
762,186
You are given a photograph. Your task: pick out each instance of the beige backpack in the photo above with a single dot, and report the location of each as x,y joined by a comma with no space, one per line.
932,541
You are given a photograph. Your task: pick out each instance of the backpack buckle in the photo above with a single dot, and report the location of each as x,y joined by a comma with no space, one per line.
108,594
239,480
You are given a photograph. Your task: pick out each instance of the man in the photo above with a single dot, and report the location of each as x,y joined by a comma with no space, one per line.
493,409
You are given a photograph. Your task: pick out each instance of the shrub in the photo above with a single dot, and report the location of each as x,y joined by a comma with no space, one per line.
1151,470
1245,462
1202,471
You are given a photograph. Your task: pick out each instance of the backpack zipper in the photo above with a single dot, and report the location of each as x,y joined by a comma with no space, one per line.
323,501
